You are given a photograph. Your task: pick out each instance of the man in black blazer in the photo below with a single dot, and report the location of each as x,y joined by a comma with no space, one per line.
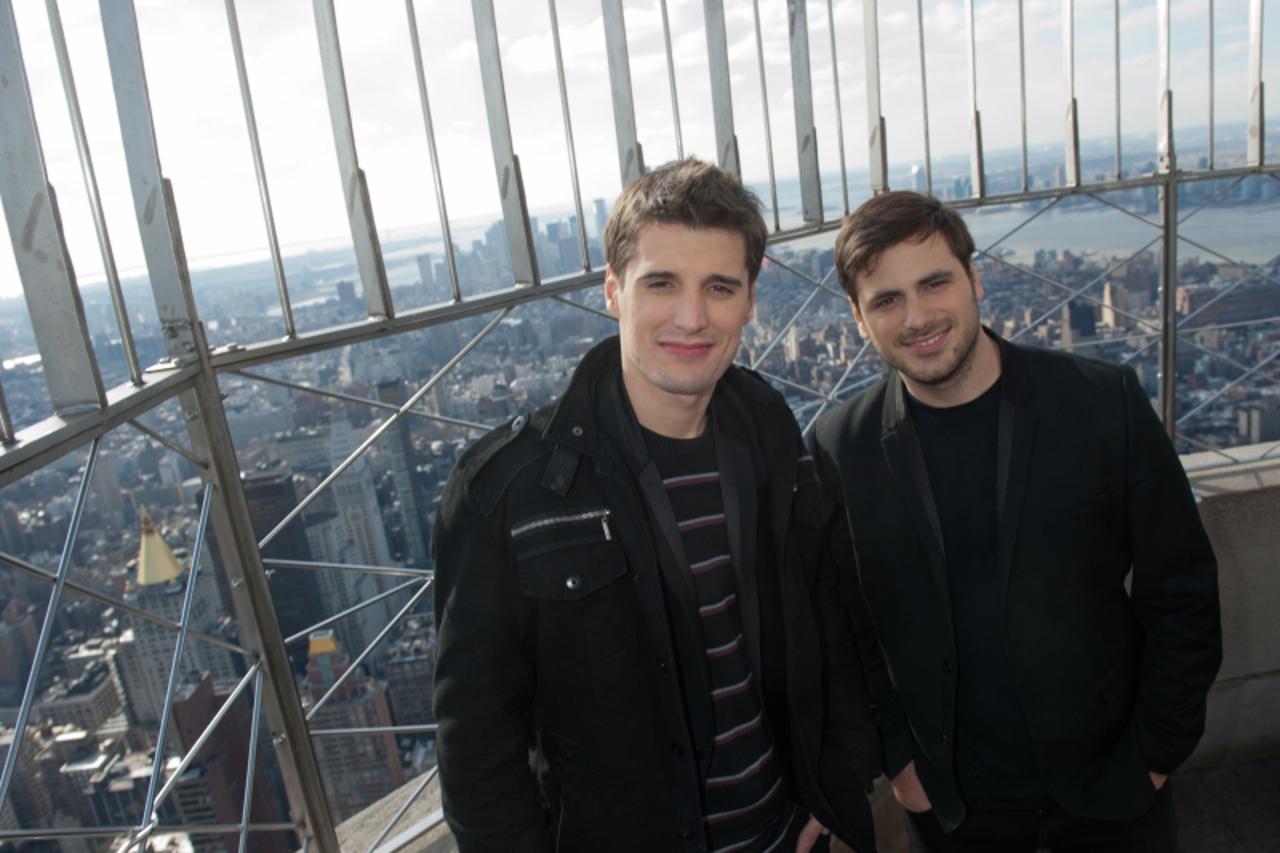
999,500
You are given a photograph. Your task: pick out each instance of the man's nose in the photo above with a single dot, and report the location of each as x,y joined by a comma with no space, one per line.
691,311
918,315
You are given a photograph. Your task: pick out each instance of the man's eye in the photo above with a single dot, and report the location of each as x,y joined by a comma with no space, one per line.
885,301
723,289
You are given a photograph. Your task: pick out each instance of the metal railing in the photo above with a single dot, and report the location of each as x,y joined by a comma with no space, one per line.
196,376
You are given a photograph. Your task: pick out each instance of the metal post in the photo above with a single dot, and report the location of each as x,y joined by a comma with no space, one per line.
355,189
721,93
877,157
255,723
1212,97
259,169
1115,24
630,155
1169,305
1166,161
802,95
764,109
1069,74
976,171
6,420
515,210
924,98
46,627
441,210
39,246
1257,143
671,79
835,81
1022,93
91,188
568,127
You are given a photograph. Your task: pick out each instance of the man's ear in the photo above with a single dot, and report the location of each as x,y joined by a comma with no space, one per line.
612,284
977,282
857,318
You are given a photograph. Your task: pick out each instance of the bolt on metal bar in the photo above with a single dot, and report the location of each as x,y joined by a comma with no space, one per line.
721,92
46,627
383,427
1257,138
1069,75
515,209
442,211
924,96
1166,160
352,398
630,154
411,729
166,443
259,169
671,80
787,327
1225,388
1212,96
91,188
245,680
1168,304
175,665
400,812
976,170
764,109
123,607
355,664
877,155
835,82
802,98
39,243
255,724
1022,93
6,420
394,572
355,188
338,617
1115,29
568,129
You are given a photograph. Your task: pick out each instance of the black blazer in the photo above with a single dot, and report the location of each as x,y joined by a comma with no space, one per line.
1112,682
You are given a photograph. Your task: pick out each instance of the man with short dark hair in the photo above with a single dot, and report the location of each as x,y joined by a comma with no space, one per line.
996,498
632,587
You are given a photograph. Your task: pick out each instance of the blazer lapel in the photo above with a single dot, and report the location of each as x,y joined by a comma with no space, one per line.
738,487
1016,435
911,477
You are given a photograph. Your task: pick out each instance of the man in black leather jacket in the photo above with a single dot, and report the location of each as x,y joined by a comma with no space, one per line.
641,642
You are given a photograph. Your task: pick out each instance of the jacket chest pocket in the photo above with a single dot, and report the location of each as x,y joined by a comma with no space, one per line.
571,565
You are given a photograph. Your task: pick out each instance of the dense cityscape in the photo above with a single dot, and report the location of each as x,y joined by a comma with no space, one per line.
88,756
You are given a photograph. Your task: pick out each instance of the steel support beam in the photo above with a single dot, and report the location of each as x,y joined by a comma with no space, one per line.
568,123
1072,130
977,174
877,155
1257,143
39,245
1166,161
355,189
721,92
924,98
1169,307
515,210
802,97
630,155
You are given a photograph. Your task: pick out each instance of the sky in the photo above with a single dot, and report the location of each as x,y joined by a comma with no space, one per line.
204,147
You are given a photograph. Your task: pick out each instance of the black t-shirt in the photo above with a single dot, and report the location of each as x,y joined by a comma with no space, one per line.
993,750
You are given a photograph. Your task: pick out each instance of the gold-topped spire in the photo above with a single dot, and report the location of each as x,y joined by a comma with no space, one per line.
156,563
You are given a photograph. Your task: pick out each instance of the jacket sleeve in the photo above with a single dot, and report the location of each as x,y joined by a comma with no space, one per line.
886,711
1174,591
483,685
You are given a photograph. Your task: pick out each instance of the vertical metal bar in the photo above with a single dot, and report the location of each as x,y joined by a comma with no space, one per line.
175,665
355,189
1166,160
255,723
515,210
441,210
259,169
802,96
630,156
764,108
976,171
1212,97
1069,74
568,131
877,157
1257,125
6,420
1022,93
671,80
46,628
91,187
721,92
39,245
924,98
1115,24
835,80
1168,305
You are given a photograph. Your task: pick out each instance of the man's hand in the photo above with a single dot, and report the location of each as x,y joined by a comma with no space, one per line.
813,830
908,791
1158,779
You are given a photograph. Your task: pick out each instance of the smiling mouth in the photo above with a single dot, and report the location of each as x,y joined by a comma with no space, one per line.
928,344
686,350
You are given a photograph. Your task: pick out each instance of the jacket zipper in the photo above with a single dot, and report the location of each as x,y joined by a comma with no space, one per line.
602,514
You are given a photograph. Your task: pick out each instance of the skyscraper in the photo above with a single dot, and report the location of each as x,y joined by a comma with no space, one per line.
399,446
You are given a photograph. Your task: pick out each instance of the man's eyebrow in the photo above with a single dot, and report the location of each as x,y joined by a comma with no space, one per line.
942,274
655,274
720,278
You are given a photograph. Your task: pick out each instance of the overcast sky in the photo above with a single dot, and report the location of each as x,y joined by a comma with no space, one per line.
204,144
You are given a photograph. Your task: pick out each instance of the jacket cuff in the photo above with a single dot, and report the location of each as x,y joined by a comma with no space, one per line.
1160,754
898,752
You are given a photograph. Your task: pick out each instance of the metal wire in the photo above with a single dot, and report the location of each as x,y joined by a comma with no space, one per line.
764,110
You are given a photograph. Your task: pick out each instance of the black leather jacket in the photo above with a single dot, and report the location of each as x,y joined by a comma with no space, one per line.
558,611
